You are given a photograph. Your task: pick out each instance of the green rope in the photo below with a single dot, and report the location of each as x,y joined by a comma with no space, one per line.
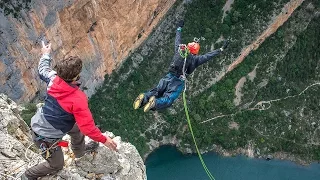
194,140
184,55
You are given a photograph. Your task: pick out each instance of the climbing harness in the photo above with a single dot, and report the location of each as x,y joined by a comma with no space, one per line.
49,145
189,122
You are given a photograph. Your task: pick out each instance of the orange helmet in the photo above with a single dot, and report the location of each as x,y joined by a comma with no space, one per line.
194,47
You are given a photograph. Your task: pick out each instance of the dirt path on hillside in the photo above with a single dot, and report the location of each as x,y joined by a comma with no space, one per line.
287,10
262,105
226,8
238,92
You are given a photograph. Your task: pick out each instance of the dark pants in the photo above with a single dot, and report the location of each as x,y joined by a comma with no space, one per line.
166,92
56,161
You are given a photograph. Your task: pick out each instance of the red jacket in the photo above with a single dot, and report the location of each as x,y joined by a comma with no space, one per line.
64,106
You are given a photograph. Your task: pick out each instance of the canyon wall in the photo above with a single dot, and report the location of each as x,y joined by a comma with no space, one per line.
102,33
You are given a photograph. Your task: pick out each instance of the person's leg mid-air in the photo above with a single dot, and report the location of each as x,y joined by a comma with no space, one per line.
143,98
174,87
158,91
173,90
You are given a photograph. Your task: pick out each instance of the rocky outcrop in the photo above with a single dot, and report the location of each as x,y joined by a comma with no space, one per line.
126,164
14,138
101,32
17,153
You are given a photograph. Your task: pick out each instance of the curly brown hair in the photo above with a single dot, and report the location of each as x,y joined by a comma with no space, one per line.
68,69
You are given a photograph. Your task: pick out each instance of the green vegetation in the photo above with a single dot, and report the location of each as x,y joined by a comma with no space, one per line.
13,7
29,110
287,61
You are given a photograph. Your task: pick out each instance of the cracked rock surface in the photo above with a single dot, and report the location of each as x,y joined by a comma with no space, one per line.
105,164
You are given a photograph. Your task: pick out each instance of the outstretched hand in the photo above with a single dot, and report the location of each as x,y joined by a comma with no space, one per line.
110,144
46,49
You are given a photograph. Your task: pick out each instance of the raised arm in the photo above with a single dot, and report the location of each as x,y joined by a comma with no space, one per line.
177,41
44,69
201,59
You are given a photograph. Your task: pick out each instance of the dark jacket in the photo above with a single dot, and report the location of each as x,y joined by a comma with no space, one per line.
193,61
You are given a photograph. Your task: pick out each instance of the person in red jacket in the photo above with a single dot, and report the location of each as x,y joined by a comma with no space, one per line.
65,111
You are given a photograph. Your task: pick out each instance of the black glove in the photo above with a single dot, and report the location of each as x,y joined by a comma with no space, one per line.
225,44
181,23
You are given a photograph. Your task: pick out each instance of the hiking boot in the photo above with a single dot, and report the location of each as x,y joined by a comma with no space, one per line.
138,101
92,146
150,104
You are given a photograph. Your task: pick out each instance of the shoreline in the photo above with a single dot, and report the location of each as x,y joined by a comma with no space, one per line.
240,151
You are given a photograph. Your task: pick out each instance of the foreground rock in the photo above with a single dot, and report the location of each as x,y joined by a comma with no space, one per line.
126,164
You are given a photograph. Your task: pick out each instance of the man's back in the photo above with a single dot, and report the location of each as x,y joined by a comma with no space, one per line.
55,118
65,103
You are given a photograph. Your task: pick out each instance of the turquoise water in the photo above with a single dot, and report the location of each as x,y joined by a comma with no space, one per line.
166,163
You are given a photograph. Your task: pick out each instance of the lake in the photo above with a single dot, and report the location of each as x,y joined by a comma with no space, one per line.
166,163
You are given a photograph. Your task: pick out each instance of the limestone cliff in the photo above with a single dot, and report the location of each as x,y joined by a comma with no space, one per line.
15,156
101,32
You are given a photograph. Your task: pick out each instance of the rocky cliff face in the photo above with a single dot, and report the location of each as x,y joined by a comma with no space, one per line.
101,32
15,156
